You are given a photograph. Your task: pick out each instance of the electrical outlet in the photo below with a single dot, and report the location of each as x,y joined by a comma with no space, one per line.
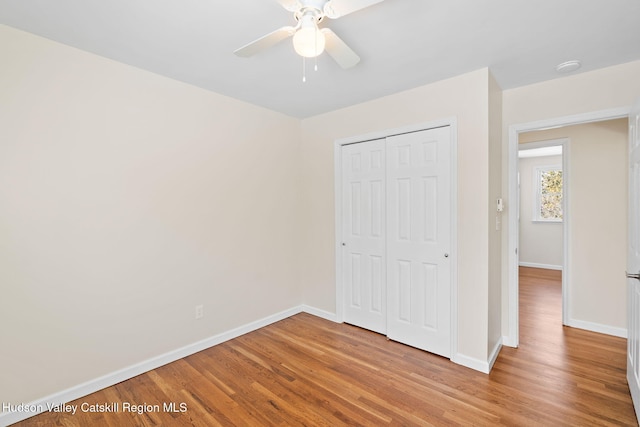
199,311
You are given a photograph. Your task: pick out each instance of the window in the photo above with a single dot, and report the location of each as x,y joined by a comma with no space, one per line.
548,201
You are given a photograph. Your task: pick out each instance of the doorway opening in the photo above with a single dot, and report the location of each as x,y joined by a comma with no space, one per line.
545,130
542,214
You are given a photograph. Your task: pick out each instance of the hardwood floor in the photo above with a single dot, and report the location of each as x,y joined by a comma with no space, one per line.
309,371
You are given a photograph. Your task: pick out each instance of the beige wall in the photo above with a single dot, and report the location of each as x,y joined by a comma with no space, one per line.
495,218
540,242
127,199
465,97
608,88
597,196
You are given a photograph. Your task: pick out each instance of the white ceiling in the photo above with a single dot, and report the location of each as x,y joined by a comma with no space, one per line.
403,43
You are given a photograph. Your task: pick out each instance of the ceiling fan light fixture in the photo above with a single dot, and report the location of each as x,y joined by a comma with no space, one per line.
308,41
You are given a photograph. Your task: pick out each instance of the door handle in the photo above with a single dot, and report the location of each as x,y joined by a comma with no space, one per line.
633,276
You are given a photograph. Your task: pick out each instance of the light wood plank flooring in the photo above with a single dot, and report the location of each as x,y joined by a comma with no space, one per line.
308,371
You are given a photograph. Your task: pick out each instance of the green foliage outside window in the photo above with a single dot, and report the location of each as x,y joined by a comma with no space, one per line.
550,195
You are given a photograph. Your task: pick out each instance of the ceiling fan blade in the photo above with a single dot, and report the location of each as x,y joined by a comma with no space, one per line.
290,5
265,42
338,50
337,8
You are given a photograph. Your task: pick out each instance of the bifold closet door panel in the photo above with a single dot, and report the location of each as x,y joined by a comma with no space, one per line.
419,239
364,222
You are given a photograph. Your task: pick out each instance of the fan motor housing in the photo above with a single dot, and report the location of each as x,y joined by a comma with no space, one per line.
313,8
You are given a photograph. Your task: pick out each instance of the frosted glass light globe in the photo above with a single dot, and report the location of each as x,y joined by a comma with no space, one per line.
308,42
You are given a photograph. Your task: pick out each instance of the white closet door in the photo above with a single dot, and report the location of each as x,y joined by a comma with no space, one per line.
418,239
363,221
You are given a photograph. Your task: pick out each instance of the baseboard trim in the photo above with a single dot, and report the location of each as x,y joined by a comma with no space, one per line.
597,327
477,364
332,317
493,356
538,265
40,405
472,363
508,341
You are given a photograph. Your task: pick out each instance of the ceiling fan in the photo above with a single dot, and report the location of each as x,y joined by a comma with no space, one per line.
308,40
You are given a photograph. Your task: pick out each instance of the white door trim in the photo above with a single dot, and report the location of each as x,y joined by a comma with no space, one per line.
511,339
452,122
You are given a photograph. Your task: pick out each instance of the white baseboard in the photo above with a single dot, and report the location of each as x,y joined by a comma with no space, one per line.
471,362
477,364
493,356
597,327
84,389
538,265
320,313
509,341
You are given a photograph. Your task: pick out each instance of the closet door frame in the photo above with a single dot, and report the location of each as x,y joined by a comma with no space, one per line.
340,288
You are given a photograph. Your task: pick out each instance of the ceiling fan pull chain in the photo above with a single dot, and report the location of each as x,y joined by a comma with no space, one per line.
304,70
315,58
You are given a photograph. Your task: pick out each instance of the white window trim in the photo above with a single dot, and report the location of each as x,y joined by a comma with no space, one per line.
537,172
